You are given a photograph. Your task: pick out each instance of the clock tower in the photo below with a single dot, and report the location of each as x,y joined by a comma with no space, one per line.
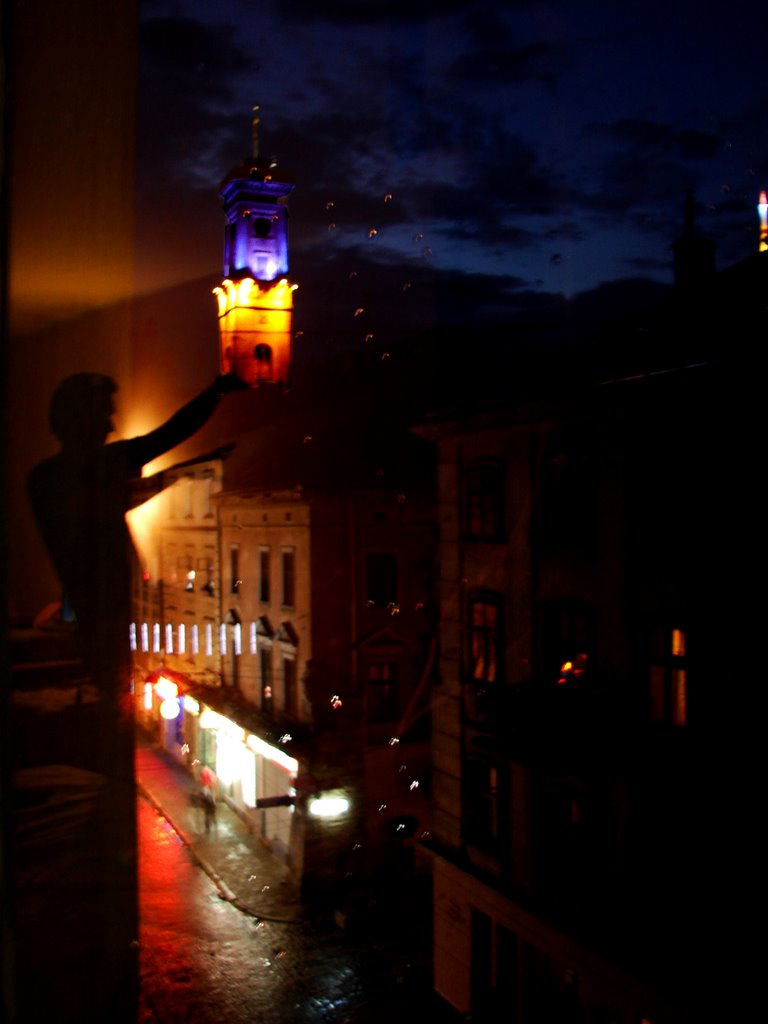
255,298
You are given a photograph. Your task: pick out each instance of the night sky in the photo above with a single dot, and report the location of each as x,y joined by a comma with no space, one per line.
510,154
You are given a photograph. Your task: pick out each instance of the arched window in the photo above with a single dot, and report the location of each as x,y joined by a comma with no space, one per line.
262,355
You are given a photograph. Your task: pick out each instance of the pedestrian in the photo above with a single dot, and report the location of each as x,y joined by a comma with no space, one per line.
208,796
209,807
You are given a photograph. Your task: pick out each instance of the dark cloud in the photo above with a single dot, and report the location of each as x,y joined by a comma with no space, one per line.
534,62
652,137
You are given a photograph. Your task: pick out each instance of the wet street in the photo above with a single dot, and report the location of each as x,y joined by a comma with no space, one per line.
203,960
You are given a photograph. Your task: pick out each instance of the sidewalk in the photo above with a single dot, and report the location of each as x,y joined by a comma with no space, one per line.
244,871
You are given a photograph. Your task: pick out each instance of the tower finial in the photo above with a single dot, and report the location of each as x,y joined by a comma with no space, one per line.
255,121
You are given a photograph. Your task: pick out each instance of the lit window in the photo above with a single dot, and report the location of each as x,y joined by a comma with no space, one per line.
208,640
195,639
669,677
484,639
168,638
156,638
265,673
182,638
145,637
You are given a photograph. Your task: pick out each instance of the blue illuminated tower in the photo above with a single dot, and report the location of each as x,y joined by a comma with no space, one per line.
256,298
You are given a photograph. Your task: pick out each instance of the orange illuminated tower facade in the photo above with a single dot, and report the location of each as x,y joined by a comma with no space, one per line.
255,299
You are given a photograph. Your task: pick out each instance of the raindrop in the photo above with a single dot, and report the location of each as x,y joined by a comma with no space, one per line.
372,233
414,784
275,216
369,337
419,606
331,227
388,197
394,608
298,334
384,355
307,439
359,311
329,205
251,878
265,888
426,251
406,286
418,237
382,807
336,702
401,499
352,275
403,768
393,741
281,954
725,188
285,738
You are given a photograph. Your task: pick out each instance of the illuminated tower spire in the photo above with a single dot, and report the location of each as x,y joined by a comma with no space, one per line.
255,298
762,209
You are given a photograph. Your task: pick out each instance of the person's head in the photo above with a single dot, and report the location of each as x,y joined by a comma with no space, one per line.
82,409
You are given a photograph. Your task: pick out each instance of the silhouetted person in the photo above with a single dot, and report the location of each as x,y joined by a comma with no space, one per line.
80,497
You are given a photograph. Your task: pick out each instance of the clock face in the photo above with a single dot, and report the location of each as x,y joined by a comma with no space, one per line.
262,227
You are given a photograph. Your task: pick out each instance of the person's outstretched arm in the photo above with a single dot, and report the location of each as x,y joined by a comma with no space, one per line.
184,423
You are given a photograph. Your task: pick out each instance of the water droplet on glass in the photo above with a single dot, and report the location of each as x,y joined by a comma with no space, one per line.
385,355
359,311
336,702
331,227
265,888
285,738
382,807
281,954
388,197
372,233
369,337
418,237
406,286
393,741
352,275
329,205
426,251
307,439
414,784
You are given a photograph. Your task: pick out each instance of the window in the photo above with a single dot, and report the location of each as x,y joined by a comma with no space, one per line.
669,677
265,672
568,640
480,805
289,685
262,356
484,501
484,639
289,581
381,579
381,692
264,574
234,569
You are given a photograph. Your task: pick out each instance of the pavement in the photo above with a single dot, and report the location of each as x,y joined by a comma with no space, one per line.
241,867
